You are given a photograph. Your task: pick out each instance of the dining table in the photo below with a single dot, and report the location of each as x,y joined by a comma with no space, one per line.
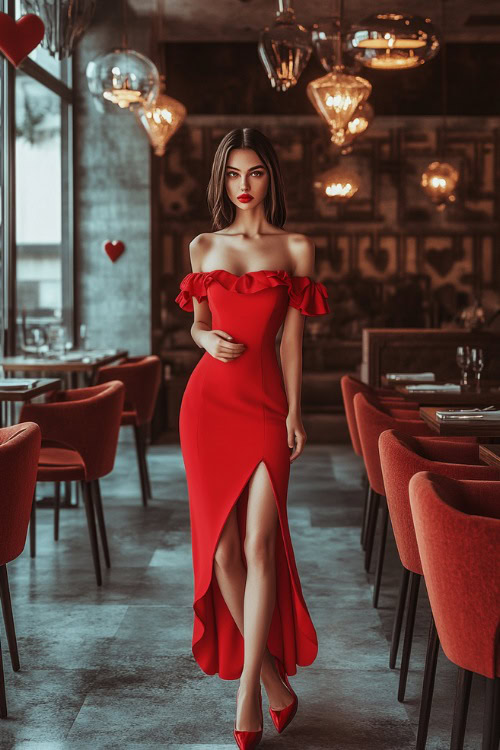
460,428
488,395
490,454
72,364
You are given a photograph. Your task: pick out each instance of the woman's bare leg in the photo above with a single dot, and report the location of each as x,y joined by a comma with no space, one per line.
232,580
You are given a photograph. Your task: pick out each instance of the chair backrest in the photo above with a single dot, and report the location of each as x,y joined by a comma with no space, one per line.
402,456
19,453
86,420
457,524
141,377
372,422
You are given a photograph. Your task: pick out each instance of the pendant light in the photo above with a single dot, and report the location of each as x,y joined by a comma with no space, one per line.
440,178
393,41
123,76
65,22
285,48
338,184
337,95
164,116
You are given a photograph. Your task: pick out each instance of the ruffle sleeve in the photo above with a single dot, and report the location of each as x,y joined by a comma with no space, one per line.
308,296
192,285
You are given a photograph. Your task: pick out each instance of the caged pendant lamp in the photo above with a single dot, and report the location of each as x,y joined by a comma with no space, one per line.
285,48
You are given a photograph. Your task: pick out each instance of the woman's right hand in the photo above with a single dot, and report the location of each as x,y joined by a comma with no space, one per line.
221,346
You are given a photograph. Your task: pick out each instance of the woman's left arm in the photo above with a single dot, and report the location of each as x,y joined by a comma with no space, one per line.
291,349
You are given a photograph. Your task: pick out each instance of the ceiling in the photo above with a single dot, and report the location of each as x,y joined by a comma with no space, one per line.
241,20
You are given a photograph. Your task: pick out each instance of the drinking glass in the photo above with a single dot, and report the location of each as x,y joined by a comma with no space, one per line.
477,365
463,361
83,336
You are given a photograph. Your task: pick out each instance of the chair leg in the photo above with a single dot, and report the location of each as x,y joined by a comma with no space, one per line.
140,464
372,527
491,729
8,618
410,623
398,617
464,682
366,505
57,503
100,520
33,526
3,699
428,686
89,510
144,453
381,555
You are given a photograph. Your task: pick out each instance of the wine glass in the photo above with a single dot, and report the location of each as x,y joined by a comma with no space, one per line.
463,361
477,365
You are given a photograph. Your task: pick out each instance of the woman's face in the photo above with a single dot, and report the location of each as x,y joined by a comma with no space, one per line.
246,178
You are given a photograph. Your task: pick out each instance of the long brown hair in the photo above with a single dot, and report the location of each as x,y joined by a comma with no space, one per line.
221,207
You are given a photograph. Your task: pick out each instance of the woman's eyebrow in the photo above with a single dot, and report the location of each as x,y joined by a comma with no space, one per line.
251,168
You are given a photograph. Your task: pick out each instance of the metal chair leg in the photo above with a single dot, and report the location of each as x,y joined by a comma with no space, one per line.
3,699
410,623
428,686
372,527
57,503
367,491
8,618
33,526
398,618
100,520
464,682
89,510
491,728
381,555
140,464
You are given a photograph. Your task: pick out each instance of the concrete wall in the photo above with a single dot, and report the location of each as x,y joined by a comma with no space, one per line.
113,200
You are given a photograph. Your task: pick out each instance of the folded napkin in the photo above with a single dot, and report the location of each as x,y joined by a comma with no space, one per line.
424,377
469,415
448,387
16,384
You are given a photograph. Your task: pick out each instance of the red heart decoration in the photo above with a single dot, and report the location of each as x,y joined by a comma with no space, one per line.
114,249
19,38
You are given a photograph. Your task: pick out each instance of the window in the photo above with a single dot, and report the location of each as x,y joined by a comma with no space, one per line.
36,237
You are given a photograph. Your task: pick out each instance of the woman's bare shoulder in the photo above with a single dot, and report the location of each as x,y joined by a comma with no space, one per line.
302,251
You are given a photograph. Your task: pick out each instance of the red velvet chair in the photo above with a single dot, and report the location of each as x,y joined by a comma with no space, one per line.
80,431
19,451
402,456
372,422
387,401
457,525
141,377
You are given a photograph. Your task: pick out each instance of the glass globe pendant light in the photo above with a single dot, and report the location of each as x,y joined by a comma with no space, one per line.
337,185
161,119
123,76
393,41
439,182
65,22
285,48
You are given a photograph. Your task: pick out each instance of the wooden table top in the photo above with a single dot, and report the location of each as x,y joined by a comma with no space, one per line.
456,429
485,397
490,454
90,362
26,394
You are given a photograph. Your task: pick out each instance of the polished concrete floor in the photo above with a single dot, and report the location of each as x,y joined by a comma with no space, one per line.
112,667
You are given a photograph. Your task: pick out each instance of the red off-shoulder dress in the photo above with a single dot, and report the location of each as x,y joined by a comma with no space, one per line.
232,417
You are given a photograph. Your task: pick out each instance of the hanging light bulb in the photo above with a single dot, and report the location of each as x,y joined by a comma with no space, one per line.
123,77
439,182
324,38
393,41
337,185
336,98
357,125
161,119
284,49
65,22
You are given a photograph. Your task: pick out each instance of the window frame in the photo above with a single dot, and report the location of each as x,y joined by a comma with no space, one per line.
9,244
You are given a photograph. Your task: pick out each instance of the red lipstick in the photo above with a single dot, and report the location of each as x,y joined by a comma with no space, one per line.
245,198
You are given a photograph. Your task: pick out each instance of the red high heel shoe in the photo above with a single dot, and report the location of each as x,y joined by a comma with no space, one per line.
247,740
282,718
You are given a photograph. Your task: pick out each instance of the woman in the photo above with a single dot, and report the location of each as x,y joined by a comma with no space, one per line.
239,419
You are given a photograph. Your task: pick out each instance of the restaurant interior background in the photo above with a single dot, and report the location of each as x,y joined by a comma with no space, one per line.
74,178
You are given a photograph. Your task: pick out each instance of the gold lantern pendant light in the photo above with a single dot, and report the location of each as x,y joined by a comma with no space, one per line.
338,184
162,117
439,180
337,95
